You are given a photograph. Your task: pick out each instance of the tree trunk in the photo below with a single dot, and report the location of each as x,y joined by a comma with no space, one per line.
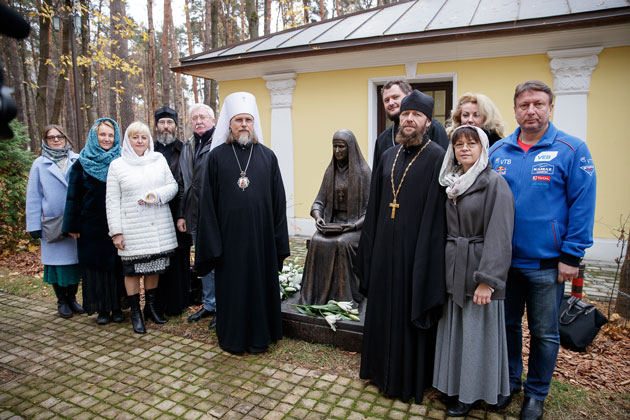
101,96
214,30
64,71
42,76
178,93
190,52
207,45
166,72
305,7
121,101
30,102
15,79
622,306
322,9
86,72
252,18
152,79
267,17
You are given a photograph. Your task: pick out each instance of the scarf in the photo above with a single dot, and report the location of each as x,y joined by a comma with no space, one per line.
93,158
131,157
56,155
452,175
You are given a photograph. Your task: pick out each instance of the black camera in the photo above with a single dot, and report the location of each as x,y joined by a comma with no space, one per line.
14,26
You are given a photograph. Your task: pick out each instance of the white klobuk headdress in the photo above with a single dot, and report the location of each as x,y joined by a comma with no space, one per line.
234,104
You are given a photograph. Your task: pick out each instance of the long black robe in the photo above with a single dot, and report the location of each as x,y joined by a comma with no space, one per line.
386,139
400,263
243,235
173,290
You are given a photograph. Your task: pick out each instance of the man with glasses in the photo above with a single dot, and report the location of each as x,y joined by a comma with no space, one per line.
194,155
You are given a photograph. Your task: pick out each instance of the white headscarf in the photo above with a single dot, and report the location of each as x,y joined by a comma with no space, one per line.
452,175
130,156
234,104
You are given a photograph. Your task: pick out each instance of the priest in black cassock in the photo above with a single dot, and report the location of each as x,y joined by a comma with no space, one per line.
400,259
242,229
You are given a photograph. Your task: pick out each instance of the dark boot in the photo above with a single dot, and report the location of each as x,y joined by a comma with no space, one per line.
136,315
62,304
149,307
71,294
118,316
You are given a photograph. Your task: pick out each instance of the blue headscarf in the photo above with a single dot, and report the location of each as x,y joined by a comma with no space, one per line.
93,158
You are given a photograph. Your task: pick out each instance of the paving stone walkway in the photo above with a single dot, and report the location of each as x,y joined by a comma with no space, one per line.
54,368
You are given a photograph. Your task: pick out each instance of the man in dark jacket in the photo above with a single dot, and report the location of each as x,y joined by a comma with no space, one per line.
393,93
174,285
193,158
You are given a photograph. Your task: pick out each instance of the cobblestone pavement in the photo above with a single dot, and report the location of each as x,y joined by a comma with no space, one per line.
54,368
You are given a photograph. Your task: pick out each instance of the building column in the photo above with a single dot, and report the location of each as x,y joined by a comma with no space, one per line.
571,83
281,88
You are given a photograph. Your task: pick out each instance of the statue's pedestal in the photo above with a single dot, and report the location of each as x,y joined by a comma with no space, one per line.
348,336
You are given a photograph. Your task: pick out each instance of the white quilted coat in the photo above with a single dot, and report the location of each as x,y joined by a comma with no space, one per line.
147,229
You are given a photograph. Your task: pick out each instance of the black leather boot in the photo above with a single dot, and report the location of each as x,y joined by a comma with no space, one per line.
136,315
62,304
71,294
149,307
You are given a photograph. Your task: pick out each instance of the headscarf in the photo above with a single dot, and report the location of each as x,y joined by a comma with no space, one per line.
93,158
234,104
359,176
56,155
452,175
131,157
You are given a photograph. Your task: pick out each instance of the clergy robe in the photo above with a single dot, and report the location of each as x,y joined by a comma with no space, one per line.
243,236
400,263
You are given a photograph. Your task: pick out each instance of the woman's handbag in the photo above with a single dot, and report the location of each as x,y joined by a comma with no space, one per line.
52,229
579,323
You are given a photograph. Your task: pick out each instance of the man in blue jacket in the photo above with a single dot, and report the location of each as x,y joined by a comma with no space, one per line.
552,177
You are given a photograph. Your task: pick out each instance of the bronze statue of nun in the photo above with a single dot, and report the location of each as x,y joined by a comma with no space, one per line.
339,211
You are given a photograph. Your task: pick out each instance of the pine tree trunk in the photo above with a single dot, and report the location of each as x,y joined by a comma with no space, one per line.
166,72
152,60
178,93
86,74
267,17
42,76
64,71
123,94
209,15
190,51
322,9
30,101
252,18
214,30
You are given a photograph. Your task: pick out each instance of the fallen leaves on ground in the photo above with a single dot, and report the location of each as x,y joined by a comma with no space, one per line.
23,262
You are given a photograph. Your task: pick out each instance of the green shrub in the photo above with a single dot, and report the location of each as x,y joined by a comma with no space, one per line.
15,163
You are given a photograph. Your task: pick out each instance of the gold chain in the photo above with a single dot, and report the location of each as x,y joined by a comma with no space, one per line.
394,190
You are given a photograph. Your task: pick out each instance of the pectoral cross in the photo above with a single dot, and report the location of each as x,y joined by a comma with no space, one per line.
394,206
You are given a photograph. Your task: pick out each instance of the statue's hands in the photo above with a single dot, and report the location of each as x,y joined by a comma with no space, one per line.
348,227
319,222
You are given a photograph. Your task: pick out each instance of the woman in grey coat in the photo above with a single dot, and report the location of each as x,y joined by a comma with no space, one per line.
45,200
471,351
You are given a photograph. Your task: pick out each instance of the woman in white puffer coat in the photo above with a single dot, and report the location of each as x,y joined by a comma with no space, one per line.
139,186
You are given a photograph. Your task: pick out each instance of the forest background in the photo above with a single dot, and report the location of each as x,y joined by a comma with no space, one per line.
123,60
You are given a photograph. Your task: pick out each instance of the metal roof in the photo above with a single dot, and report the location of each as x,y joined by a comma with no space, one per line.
415,20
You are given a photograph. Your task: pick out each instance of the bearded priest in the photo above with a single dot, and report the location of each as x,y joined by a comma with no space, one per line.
400,260
242,229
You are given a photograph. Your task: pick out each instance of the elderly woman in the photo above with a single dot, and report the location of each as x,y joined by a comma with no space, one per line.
139,187
478,110
85,220
45,201
471,351
339,211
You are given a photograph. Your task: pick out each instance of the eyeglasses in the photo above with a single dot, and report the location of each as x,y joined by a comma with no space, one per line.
57,137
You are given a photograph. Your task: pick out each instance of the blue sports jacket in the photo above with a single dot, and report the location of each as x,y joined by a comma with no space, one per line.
554,197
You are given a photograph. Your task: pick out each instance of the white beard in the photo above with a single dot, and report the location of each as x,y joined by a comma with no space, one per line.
245,139
165,139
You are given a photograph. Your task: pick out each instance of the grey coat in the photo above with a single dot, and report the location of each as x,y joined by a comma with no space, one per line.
192,178
479,238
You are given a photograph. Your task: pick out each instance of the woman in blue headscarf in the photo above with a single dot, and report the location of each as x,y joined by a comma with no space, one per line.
85,219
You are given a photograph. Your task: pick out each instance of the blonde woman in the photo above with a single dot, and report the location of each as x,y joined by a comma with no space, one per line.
478,110
139,187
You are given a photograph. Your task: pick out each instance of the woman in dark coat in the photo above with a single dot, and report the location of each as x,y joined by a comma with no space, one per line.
471,352
45,201
339,211
85,219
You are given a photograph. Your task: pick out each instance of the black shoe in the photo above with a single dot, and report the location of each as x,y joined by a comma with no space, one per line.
136,314
532,409
103,318
201,313
213,323
149,307
118,316
458,409
62,301
71,298
502,402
